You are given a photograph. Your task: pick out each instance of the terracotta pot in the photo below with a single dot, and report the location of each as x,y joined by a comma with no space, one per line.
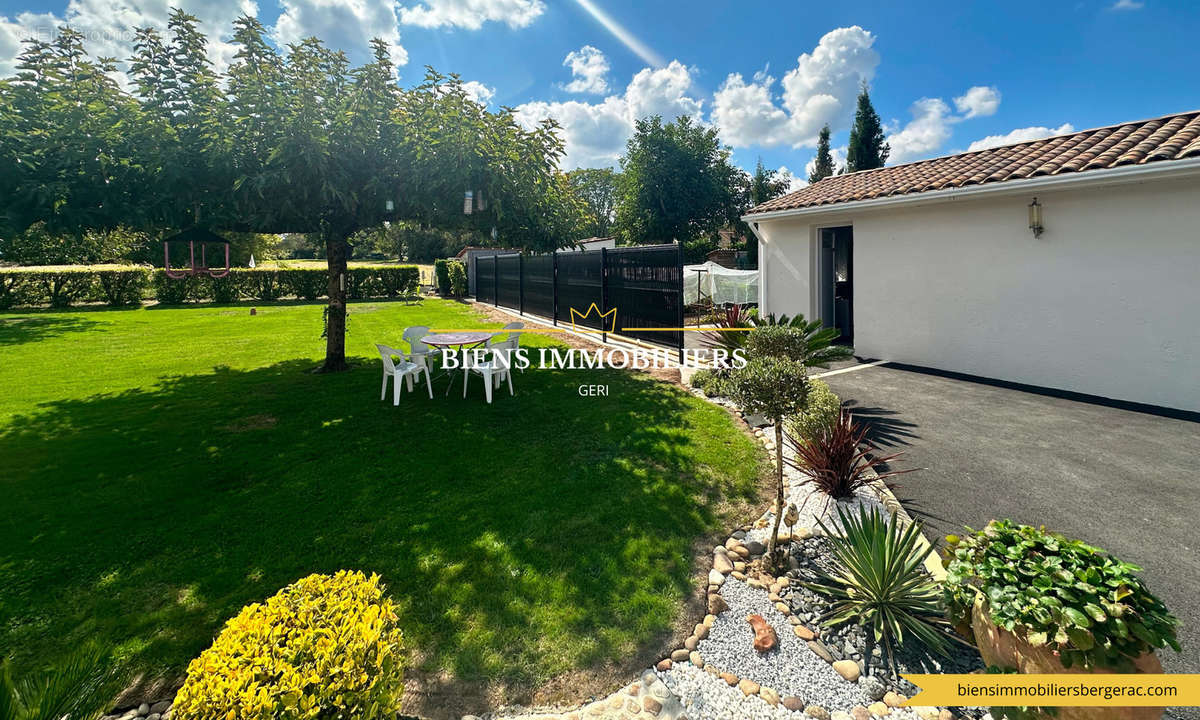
1005,649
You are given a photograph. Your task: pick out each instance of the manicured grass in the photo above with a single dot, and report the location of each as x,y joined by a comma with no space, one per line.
163,467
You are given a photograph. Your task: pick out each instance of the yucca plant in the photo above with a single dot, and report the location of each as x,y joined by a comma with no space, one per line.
881,583
79,689
838,459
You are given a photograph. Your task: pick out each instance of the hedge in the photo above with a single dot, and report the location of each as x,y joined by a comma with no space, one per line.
119,286
451,277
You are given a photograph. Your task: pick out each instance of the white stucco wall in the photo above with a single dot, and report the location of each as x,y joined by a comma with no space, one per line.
1105,302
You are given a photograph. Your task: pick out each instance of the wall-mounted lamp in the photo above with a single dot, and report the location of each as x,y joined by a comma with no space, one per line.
1035,218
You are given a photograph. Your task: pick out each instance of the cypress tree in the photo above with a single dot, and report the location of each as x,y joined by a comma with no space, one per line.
867,149
823,167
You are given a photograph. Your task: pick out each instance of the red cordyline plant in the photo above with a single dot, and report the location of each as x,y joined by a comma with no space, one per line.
730,334
838,459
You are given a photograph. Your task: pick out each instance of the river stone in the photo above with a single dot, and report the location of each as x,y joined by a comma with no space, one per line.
840,715
663,665
878,708
793,703
748,687
680,655
722,564
858,712
698,661
716,604
769,695
848,669
729,678
715,578
160,707
816,711
804,633
892,699
872,687
821,651
755,547
693,642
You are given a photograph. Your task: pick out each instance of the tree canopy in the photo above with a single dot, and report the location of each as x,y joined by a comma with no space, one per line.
823,163
677,183
597,188
867,149
287,141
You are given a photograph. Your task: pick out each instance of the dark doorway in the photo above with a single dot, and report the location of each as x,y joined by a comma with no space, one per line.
837,280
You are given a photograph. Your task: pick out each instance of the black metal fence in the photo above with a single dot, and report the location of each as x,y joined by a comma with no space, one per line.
643,285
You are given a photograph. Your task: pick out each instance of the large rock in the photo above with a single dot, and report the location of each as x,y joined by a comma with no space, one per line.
716,604
765,638
756,548
848,669
722,564
872,687
715,578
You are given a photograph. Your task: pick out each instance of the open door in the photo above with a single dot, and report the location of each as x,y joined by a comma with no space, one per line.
837,280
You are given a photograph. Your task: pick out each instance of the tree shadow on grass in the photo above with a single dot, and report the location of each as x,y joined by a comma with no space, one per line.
32,327
542,533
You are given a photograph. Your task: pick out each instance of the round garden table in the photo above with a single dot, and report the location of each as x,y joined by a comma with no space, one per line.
460,340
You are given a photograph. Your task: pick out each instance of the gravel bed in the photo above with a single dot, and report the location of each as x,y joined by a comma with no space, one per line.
707,697
790,669
854,642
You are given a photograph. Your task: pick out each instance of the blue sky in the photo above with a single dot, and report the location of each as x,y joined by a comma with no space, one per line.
944,76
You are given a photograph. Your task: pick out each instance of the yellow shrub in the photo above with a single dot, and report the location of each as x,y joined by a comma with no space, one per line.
323,647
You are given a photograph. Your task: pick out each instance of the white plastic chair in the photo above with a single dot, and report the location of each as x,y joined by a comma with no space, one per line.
412,336
404,370
514,334
496,369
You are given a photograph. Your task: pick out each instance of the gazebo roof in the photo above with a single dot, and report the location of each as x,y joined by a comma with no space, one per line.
197,234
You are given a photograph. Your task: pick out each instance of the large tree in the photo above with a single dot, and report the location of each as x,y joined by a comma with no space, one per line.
677,183
763,185
823,162
867,149
597,188
295,142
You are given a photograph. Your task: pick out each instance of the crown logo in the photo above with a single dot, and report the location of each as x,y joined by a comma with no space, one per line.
611,316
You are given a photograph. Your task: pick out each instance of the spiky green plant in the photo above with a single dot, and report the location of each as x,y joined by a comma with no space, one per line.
80,689
880,581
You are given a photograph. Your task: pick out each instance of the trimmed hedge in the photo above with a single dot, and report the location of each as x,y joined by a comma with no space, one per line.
451,277
120,286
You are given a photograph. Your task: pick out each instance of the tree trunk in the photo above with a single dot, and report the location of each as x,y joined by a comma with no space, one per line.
337,252
778,490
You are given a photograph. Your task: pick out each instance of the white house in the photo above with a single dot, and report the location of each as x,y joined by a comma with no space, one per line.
1070,263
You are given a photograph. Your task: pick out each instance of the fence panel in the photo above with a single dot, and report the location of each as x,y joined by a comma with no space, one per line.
539,285
580,284
645,286
508,287
485,279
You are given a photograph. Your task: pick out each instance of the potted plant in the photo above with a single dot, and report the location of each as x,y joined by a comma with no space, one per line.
1038,602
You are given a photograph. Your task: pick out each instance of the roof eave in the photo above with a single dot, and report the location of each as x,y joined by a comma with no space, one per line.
1106,176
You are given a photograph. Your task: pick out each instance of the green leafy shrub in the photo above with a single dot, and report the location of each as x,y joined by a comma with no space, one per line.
20,288
63,287
1074,598
323,647
261,284
305,283
399,281
224,289
441,273
458,279
881,581
123,287
175,291
820,412
713,383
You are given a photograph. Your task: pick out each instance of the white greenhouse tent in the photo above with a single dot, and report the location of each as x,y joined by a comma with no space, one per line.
710,282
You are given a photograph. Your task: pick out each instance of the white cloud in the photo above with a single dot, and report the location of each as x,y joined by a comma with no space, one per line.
595,133
471,14
589,68
347,25
1019,135
820,89
794,182
925,133
479,92
1128,5
979,101
108,27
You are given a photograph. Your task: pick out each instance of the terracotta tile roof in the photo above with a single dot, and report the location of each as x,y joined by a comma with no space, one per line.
1172,137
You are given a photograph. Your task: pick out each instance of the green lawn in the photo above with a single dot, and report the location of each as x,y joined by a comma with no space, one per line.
160,468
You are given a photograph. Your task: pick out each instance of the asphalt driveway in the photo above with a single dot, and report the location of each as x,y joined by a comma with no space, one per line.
1121,480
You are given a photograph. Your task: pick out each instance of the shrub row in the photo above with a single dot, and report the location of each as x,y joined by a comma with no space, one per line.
62,287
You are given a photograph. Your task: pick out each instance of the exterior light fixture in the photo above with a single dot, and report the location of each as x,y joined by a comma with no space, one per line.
1035,218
